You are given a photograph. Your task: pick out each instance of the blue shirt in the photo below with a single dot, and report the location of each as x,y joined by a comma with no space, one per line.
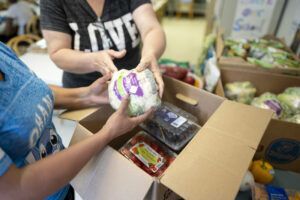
27,133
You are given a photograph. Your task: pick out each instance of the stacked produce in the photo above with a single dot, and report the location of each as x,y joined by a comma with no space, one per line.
172,128
261,52
285,105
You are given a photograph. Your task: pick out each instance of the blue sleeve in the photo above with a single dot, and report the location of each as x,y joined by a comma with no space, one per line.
5,162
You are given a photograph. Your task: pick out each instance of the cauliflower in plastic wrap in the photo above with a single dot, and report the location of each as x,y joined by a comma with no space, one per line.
242,92
294,119
141,87
268,101
290,100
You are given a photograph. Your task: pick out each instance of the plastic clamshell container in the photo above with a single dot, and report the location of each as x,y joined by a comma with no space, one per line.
148,154
172,126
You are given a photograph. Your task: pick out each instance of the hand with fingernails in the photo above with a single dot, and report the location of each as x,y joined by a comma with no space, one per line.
103,60
103,63
150,61
120,123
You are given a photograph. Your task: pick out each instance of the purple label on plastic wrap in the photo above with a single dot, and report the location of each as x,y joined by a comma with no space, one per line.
275,106
170,117
132,86
127,85
116,91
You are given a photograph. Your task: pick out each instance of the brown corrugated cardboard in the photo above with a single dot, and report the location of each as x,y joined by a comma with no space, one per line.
210,167
280,144
237,62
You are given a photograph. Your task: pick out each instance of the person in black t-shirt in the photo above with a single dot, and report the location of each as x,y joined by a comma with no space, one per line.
89,37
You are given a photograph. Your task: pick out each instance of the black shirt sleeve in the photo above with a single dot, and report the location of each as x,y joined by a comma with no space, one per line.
134,4
53,16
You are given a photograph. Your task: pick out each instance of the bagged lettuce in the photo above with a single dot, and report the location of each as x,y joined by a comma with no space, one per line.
293,119
242,92
268,101
290,100
140,86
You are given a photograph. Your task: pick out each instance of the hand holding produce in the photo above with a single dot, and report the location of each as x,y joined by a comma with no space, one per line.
262,171
140,86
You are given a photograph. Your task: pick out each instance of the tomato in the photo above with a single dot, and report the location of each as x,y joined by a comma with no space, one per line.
189,79
154,147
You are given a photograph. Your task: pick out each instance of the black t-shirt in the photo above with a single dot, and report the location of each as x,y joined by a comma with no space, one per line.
115,29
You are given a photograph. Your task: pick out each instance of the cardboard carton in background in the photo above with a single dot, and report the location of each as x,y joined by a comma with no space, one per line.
211,166
281,142
237,62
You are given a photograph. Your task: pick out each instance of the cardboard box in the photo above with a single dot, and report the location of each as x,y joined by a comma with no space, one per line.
238,62
280,144
211,166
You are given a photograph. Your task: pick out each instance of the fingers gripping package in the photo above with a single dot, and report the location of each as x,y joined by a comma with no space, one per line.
172,126
148,154
141,87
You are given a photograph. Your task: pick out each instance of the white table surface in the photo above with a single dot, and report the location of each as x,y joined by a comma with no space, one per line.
43,67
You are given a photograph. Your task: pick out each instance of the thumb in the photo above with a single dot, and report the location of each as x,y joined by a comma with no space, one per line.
142,66
117,54
124,105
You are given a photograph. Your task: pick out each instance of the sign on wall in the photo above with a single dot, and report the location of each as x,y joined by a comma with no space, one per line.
252,18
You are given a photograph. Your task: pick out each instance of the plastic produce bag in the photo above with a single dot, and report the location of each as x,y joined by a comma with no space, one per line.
148,154
242,92
140,86
268,101
290,100
172,126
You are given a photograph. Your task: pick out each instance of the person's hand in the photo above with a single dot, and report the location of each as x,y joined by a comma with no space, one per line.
97,94
150,62
120,123
103,60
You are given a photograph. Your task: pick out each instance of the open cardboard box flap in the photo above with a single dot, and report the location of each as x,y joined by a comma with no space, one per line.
214,162
107,173
77,115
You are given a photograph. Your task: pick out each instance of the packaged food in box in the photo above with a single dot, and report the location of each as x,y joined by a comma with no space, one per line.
148,153
172,126
268,192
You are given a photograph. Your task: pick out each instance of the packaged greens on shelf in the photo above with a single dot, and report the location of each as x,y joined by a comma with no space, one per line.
172,126
264,53
148,154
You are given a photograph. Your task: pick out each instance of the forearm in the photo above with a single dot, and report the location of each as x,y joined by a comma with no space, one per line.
154,43
73,61
71,98
48,175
